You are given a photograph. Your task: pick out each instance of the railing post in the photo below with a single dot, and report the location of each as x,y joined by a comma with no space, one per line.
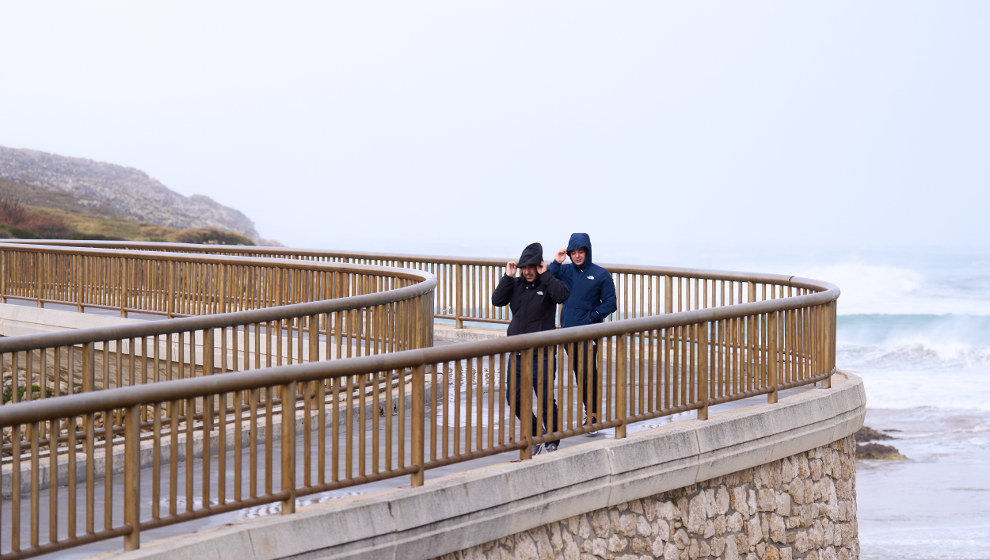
288,447
621,375
314,338
828,344
459,298
38,279
132,477
170,304
224,289
668,294
525,401
772,356
3,277
426,320
208,348
88,368
703,371
418,424
125,281
752,340
208,367
339,276
79,273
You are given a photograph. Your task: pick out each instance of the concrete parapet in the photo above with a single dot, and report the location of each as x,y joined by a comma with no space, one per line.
469,509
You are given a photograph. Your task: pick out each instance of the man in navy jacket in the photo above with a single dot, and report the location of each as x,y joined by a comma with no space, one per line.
533,299
591,300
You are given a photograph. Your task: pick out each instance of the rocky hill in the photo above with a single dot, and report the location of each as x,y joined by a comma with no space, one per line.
92,187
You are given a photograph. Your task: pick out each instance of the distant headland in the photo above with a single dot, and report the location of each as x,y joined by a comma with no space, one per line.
83,187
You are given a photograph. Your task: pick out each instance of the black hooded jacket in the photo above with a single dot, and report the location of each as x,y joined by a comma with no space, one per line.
533,304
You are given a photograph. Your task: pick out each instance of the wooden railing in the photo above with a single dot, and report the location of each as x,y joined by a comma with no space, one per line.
215,443
465,285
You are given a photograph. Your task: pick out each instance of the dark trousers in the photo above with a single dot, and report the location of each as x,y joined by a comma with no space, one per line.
513,382
584,364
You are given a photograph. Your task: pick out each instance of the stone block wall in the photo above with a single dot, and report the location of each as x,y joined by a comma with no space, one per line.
800,507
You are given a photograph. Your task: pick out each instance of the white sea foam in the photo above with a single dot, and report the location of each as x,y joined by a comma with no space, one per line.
911,361
917,355
920,376
869,288
903,392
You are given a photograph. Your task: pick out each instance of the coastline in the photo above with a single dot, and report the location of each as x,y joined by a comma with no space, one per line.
935,503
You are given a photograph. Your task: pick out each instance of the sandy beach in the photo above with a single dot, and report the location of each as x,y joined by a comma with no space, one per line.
936,503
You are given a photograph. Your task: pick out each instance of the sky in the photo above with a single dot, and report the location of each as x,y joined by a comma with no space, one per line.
672,132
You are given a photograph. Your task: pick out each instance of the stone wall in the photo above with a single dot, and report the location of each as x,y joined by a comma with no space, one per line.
799,507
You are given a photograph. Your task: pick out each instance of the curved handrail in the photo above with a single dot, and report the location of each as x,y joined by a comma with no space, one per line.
338,310
464,284
79,272
684,340
402,360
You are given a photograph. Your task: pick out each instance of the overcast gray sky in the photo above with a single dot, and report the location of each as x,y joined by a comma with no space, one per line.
663,129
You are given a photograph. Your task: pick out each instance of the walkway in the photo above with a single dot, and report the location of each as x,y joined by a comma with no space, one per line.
444,334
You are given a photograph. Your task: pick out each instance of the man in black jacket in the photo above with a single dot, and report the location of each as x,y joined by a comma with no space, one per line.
532,298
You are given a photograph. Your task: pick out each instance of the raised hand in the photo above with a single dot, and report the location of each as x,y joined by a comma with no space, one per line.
561,255
542,268
510,269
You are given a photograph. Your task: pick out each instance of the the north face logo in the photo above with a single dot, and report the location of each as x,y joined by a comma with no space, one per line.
539,293
591,278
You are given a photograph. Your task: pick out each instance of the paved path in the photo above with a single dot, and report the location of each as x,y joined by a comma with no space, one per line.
444,335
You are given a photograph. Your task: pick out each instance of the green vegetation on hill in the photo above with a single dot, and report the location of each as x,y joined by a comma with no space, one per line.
32,213
94,188
32,195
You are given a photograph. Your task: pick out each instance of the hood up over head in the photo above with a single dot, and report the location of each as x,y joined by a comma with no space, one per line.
532,255
577,241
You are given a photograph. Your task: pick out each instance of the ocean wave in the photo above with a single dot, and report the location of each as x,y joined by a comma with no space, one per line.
901,393
869,288
943,335
880,289
911,361
916,356
943,389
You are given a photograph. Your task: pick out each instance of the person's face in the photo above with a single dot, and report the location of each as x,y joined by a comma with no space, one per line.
528,272
577,256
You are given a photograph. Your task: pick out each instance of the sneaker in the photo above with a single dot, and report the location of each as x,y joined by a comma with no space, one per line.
588,421
552,446
537,449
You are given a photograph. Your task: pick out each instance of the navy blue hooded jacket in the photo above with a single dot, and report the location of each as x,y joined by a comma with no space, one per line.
592,290
533,304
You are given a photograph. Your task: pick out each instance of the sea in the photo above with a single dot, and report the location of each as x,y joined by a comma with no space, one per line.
915,325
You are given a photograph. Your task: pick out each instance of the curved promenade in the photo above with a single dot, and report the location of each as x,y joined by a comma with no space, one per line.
750,467
324,397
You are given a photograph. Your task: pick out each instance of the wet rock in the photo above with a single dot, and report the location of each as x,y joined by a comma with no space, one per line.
878,451
866,450
867,433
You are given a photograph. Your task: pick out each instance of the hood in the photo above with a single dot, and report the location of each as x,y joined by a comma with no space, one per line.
579,240
531,255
